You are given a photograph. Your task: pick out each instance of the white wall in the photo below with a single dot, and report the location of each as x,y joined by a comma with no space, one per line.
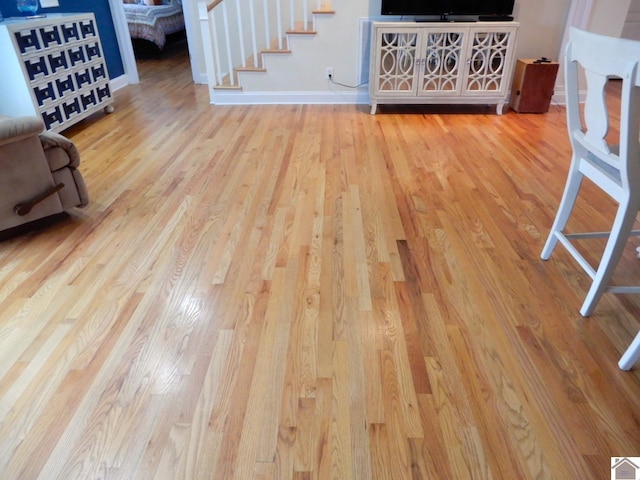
542,24
608,17
541,27
631,27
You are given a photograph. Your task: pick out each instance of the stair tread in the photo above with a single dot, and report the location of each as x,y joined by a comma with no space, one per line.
227,87
301,28
250,69
301,32
278,46
275,50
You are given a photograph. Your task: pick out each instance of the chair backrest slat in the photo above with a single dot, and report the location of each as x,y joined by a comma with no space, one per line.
606,151
596,115
602,58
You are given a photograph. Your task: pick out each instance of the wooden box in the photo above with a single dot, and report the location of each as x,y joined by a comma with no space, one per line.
533,85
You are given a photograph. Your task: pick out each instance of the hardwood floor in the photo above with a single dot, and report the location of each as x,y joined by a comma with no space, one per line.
311,292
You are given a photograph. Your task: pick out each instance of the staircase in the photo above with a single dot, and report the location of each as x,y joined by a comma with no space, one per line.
242,39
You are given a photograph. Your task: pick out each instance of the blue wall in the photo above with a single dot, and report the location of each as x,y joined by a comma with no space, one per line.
101,10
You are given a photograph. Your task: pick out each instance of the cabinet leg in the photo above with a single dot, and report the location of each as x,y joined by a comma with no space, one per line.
374,107
499,108
109,109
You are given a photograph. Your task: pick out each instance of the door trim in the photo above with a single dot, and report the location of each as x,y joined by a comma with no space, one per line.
126,46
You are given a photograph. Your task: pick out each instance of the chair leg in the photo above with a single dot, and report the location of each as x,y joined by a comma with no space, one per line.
622,225
571,189
631,355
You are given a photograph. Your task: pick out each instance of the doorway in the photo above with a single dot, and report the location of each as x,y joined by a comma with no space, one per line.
126,46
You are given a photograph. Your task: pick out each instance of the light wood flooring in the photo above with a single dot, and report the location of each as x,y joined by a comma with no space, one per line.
311,292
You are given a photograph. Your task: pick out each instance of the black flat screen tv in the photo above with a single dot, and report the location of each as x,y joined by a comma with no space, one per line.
450,9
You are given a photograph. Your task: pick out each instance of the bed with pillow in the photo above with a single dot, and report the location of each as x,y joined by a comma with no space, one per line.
154,20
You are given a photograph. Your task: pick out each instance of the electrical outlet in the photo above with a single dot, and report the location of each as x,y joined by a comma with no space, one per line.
328,74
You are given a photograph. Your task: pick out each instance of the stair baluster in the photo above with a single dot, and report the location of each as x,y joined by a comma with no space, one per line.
227,36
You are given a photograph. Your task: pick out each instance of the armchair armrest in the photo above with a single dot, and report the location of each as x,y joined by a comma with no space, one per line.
52,139
13,129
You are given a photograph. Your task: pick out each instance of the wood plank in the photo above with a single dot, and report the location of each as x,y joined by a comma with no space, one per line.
310,291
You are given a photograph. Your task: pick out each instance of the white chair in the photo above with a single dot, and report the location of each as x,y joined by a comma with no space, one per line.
631,355
613,168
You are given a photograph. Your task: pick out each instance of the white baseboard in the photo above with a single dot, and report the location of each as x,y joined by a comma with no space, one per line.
559,97
290,98
329,98
119,82
123,80
200,78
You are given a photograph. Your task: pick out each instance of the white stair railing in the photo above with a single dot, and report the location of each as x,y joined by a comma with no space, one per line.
231,28
254,43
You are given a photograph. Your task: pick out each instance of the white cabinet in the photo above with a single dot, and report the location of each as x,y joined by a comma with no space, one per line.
53,67
463,63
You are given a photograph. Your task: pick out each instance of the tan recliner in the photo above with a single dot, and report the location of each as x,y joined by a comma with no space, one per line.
38,172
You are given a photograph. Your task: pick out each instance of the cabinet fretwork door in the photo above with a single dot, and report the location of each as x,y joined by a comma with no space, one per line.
490,56
434,62
397,61
443,61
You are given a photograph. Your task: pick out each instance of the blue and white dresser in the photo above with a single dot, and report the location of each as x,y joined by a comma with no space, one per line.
53,67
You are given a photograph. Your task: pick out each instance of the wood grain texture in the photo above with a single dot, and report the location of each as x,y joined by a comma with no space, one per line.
311,292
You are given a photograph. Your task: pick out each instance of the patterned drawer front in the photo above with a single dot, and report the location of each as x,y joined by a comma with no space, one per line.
52,117
95,96
45,93
88,29
98,72
90,75
37,68
65,85
71,106
28,41
93,51
77,56
63,67
104,92
31,40
83,77
89,99
70,32
72,84
50,35
58,62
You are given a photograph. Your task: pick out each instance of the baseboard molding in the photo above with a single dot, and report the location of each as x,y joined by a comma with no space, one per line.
123,80
290,98
360,97
560,97
200,78
119,82
330,98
